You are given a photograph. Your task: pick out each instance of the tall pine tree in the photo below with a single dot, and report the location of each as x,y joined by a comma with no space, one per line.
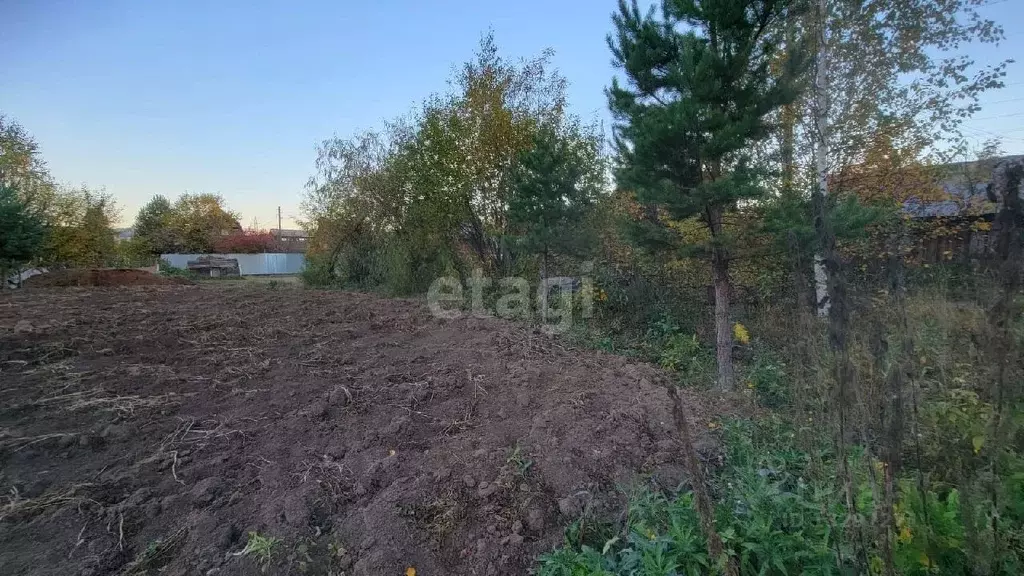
22,233
699,92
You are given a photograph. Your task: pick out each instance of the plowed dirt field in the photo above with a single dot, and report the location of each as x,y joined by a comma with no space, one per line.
151,429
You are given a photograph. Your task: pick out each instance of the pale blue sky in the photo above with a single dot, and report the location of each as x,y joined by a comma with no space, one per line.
232,97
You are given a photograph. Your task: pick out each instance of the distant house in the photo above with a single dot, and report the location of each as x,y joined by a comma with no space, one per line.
963,218
290,235
122,234
966,187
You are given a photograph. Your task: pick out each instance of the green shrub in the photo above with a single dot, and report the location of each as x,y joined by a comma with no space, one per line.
780,511
772,516
173,271
766,377
389,264
318,271
688,357
394,263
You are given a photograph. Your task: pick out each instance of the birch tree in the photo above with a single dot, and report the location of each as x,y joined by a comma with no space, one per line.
881,64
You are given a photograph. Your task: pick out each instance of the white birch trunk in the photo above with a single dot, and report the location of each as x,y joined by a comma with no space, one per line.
821,145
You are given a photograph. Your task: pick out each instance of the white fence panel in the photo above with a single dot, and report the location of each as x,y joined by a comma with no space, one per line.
248,264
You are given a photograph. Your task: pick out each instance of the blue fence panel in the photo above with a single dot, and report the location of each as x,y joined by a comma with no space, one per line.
248,264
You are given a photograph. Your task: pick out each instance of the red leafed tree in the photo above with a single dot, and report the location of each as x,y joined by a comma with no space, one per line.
246,242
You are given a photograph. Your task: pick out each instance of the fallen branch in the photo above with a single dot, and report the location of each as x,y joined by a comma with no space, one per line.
705,510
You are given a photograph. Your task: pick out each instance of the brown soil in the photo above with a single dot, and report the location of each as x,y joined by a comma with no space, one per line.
99,277
149,430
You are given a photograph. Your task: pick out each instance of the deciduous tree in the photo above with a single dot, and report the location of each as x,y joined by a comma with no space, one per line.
80,233
198,220
886,63
22,167
246,242
153,226
441,182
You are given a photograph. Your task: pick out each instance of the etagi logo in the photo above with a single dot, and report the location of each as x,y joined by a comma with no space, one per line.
556,300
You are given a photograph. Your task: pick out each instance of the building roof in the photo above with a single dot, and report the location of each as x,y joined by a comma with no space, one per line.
966,188
289,233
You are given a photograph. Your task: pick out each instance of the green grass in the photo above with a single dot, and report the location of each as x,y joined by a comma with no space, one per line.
518,461
260,548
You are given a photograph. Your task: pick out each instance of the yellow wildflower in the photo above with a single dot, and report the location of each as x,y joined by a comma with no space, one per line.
410,571
739,332
905,535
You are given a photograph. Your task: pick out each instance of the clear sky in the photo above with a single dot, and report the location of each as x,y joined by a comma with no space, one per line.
232,97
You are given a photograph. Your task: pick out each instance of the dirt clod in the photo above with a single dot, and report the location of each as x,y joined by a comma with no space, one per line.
23,327
486,489
205,491
572,506
535,520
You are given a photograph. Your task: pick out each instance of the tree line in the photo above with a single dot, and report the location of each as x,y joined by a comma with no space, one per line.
46,223
42,221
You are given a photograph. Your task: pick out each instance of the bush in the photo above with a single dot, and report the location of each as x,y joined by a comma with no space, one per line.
779,511
131,254
766,377
166,269
773,518
688,357
318,271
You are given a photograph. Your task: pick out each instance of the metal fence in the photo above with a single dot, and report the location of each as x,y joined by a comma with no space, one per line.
248,264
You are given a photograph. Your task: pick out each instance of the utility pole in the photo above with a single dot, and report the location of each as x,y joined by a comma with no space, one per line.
278,223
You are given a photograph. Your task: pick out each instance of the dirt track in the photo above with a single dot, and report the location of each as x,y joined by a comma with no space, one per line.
147,430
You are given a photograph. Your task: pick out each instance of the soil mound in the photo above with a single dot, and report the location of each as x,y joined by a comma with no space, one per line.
99,277
155,430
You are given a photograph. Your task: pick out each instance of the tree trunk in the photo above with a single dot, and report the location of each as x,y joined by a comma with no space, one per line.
843,369
1005,392
544,286
788,123
787,148
821,146
723,288
899,375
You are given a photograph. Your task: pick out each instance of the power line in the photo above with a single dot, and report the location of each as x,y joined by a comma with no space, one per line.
1003,136
1002,101
1000,116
